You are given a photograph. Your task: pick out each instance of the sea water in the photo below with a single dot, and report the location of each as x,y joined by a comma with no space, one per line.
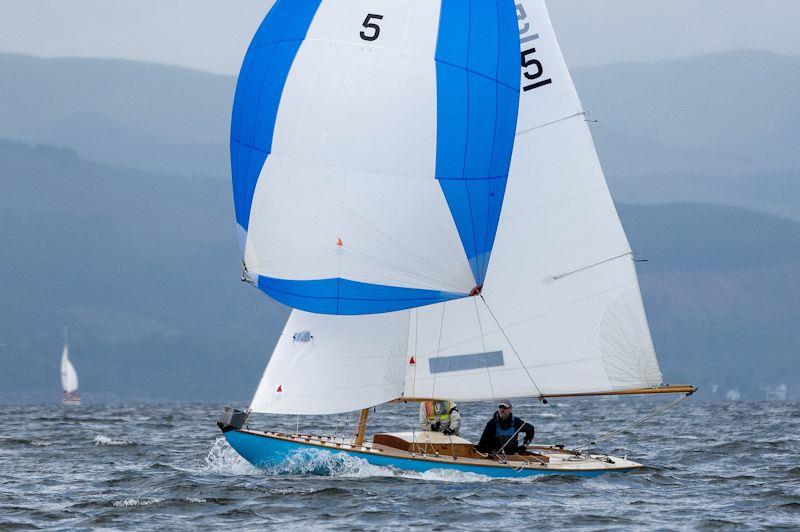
708,465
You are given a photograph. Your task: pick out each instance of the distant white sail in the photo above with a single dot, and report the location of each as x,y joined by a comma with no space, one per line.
561,283
69,378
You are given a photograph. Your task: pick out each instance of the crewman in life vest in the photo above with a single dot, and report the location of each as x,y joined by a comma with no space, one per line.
501,434
440,416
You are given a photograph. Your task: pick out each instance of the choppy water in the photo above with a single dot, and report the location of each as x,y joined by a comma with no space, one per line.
710,465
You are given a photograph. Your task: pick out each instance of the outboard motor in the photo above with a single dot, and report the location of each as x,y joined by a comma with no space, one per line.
232,419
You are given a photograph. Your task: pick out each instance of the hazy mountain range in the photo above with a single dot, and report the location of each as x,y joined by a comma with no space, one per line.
719,128
121,225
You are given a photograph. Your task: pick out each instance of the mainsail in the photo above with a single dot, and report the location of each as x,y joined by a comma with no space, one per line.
560,310
69,378
370,147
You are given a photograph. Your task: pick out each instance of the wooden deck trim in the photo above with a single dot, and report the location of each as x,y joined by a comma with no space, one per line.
361,428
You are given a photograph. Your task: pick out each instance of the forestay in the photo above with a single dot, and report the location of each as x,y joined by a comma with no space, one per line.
561,283
370,148
69,377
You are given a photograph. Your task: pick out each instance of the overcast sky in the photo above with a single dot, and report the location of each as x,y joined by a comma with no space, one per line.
213,34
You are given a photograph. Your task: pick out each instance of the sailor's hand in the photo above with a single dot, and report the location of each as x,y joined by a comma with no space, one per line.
447,432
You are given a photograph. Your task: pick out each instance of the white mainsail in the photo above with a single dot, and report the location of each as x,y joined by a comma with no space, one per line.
69,377
562,282
561,285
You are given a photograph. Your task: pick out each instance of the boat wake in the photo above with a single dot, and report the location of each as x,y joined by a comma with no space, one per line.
334,464
223,460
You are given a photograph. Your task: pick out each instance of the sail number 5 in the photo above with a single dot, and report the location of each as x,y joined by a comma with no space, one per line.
369,25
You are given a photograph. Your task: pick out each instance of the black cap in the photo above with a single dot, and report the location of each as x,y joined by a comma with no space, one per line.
505,402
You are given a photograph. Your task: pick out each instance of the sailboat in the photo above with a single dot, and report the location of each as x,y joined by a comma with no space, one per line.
69,377
438,221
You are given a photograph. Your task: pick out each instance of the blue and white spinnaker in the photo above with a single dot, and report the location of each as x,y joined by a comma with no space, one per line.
370,147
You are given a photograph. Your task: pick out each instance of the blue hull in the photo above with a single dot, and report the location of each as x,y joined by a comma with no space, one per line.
267,452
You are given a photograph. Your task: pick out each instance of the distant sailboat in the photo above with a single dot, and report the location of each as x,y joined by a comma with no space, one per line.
69,377
376,194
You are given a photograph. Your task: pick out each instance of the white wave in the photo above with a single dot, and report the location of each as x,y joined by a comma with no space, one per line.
450,475
105,440
222,459
343,465
127,503
289,491
40,443
195,500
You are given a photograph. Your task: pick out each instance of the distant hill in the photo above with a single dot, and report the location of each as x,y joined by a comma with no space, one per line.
720,128
730,113
722,291
142,267
157,118
144,270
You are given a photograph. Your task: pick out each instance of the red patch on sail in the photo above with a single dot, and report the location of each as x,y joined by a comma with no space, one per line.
412,361
280,388
339,242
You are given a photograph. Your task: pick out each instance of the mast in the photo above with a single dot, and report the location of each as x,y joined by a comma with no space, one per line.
361,427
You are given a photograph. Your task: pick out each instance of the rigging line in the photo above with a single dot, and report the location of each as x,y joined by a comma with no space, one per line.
415,354
513,436
508,341
287,310
538,390
483,343
438,347
651,415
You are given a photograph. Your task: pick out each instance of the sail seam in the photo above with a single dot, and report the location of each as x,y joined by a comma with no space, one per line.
247,145
484,76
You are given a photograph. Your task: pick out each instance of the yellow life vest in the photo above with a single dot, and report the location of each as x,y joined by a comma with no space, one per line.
444,408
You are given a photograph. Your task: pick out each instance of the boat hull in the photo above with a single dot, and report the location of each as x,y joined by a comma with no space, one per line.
265,451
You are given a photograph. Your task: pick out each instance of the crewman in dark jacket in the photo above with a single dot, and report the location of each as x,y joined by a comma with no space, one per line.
503,430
